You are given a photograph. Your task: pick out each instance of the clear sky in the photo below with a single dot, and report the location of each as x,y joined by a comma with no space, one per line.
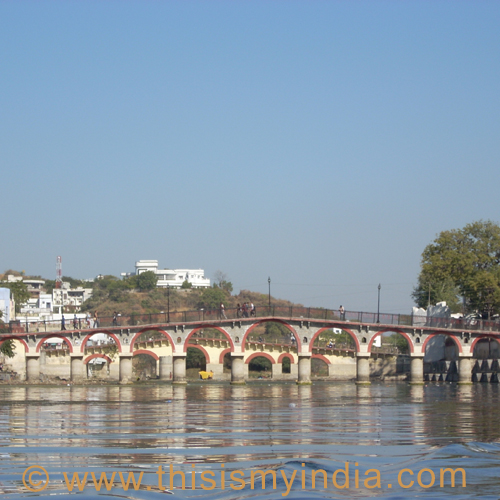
321,143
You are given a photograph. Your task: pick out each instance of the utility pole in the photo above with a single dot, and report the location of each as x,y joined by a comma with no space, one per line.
378,306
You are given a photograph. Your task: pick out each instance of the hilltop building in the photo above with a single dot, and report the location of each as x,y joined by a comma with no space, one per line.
6,305
171,277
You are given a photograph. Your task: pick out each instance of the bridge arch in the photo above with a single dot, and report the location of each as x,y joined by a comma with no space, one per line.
272,320
285,355
260,355
203,350
223,354
105,332
54,336
146,351
12,337
97,355
392,330
321,330
483,337
148,329
452,337
206,326
323,358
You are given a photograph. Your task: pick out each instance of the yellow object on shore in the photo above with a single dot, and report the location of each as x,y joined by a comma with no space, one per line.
206,375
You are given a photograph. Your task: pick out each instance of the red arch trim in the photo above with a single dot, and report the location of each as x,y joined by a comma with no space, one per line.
207,357
272,320
207,325
54,336
323,358
395,330
157,329
26,348
321,330
87,359
112,335
429,337
145,351
285,355
222,354
482,337
260,355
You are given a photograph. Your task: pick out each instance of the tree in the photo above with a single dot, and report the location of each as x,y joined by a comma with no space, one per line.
7,348
462,263
186,284
147,281
211,298
19,292
221,281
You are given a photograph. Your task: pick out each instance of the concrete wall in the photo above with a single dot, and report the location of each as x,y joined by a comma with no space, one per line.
56,363
17,363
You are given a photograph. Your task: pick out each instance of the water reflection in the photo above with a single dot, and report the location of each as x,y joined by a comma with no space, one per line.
261,424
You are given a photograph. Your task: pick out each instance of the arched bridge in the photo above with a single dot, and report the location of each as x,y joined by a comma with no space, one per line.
175,332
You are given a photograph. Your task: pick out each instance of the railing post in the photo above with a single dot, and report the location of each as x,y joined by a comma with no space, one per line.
360,315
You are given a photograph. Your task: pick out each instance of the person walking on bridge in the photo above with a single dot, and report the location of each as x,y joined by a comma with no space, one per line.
222,311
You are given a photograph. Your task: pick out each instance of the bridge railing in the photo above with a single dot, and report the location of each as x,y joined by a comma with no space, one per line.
260,311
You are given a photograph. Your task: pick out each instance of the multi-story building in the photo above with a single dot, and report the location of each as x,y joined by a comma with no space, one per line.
72,297
6,305
171,277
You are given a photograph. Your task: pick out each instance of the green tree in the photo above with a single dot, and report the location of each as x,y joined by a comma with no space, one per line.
19,292
8,348
147,281
186,284
221,281
211,298
462,263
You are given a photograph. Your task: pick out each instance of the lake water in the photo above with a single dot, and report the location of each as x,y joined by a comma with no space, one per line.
216,429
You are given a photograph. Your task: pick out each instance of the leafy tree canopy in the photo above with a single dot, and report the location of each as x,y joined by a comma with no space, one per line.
211,298
462,263
221,281
19,292
147,281
7,348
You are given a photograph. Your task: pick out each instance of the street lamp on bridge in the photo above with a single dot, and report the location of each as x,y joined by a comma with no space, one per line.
168,302
269,295
378,306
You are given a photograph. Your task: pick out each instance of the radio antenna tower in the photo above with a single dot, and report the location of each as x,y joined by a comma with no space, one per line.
59,272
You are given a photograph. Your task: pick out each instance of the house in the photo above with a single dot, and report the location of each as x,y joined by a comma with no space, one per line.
173,278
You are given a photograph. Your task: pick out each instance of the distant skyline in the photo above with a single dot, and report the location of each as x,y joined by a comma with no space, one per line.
323,144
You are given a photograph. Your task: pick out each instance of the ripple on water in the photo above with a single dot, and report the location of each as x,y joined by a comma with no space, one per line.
274,428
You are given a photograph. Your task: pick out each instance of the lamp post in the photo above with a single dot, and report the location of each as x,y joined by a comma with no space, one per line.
269,295
168,302
378,306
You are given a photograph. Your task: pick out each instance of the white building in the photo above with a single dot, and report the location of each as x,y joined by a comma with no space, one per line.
6,305
66,296
171,277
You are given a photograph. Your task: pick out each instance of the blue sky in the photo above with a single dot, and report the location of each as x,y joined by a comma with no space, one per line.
324,144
